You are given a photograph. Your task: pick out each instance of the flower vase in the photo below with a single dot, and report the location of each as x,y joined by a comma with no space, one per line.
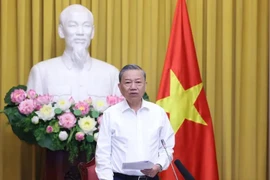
58,167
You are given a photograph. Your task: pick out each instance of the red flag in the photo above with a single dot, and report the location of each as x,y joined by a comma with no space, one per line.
182,95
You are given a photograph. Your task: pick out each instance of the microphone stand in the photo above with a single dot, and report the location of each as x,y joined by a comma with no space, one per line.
170,159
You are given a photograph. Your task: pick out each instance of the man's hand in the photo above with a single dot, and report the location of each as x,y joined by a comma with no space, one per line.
152,172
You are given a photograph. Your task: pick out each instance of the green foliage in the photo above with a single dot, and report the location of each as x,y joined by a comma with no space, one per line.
77,112
24,136
20,124
90,138
94,114
35,133
73,148
54,123
58,111
146,97
39,132
89,148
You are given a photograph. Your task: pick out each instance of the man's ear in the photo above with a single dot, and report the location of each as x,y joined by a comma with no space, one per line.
61,31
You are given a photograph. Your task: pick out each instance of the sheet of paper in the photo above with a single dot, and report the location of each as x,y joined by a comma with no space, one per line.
139,165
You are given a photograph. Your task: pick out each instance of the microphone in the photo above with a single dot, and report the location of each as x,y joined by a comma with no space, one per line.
170,159
183,170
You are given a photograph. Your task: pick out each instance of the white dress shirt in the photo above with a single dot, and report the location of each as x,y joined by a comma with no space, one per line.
59,78
126,136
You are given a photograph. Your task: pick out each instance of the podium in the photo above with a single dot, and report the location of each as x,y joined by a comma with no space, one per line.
58,167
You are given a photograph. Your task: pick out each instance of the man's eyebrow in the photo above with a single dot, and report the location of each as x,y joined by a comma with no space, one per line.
88,22
133,79
71,21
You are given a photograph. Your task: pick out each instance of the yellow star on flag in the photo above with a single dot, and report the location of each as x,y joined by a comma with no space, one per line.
180,103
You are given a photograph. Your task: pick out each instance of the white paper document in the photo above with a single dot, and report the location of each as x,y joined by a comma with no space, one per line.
139,165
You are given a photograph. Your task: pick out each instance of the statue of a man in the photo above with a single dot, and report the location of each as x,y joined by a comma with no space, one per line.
75,74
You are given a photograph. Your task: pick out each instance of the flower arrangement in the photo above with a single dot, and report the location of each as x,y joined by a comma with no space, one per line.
56,125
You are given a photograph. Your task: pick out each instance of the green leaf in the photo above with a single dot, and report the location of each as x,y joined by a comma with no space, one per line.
146,97
73,149
55,125
57,111
77,112
24,136
40,132
46,142
94,114
70,135
13,115
78,129
88,148
89,138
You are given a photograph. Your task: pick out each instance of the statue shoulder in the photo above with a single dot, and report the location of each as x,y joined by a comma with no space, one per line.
104,65
48,63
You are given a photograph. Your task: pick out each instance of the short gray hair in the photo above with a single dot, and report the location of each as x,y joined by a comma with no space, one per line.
73,7
131,67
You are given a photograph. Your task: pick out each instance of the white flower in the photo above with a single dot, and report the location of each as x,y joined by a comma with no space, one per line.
87,125
35,120
63,104
63,135
46,113
100,105
96,136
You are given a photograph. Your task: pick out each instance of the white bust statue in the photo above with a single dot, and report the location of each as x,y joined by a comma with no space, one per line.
75,74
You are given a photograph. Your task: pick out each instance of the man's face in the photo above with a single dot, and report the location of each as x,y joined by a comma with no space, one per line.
132,85
78,30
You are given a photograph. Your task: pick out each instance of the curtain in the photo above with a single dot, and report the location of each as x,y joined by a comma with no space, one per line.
231,39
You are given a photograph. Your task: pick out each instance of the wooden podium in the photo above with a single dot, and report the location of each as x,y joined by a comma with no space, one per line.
58,167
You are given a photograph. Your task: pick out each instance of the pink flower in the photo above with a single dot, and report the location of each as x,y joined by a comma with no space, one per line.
71,100
31,94
42,100
112,100
120,98
38,106
88,101
27,106
49,129
83,107
67,120
18,95
79,136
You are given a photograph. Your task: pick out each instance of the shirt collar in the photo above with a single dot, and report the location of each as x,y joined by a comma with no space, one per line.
70,64
125,106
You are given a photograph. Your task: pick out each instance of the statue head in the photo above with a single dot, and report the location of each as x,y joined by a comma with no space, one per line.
76,27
